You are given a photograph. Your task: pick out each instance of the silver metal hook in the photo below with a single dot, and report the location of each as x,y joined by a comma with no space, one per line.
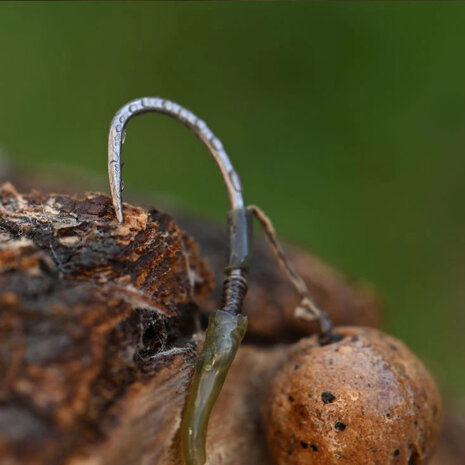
181,114
226,326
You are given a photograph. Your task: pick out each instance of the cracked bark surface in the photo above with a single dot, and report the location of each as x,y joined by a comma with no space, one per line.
91,312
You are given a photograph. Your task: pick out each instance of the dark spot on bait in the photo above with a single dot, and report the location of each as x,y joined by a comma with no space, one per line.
396,452
290,398
296,366
314,448
340,426
327,397
304,444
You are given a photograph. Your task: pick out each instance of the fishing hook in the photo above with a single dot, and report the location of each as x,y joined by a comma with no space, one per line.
198,126
227,326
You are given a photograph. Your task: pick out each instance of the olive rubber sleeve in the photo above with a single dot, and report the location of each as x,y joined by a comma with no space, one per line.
239,254
222,339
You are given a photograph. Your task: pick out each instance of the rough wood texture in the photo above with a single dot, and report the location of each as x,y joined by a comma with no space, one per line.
92,313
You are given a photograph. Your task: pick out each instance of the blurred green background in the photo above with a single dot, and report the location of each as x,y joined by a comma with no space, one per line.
346,122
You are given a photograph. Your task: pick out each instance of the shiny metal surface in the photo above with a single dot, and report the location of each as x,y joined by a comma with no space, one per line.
181,114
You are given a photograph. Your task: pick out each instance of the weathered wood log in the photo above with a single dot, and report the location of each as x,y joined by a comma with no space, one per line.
91,313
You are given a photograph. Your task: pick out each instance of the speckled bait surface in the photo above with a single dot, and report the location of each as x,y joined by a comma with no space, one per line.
222,339
226,327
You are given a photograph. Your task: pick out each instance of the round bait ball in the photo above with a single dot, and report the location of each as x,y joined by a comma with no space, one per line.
363,399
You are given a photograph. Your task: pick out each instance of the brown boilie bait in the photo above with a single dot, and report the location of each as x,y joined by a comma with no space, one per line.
364,398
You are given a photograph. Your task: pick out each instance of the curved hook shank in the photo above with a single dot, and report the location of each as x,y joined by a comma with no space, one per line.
198,126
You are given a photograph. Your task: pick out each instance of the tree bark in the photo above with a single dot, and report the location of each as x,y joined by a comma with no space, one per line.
93,314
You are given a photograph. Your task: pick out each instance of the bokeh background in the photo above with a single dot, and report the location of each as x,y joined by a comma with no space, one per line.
346,122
